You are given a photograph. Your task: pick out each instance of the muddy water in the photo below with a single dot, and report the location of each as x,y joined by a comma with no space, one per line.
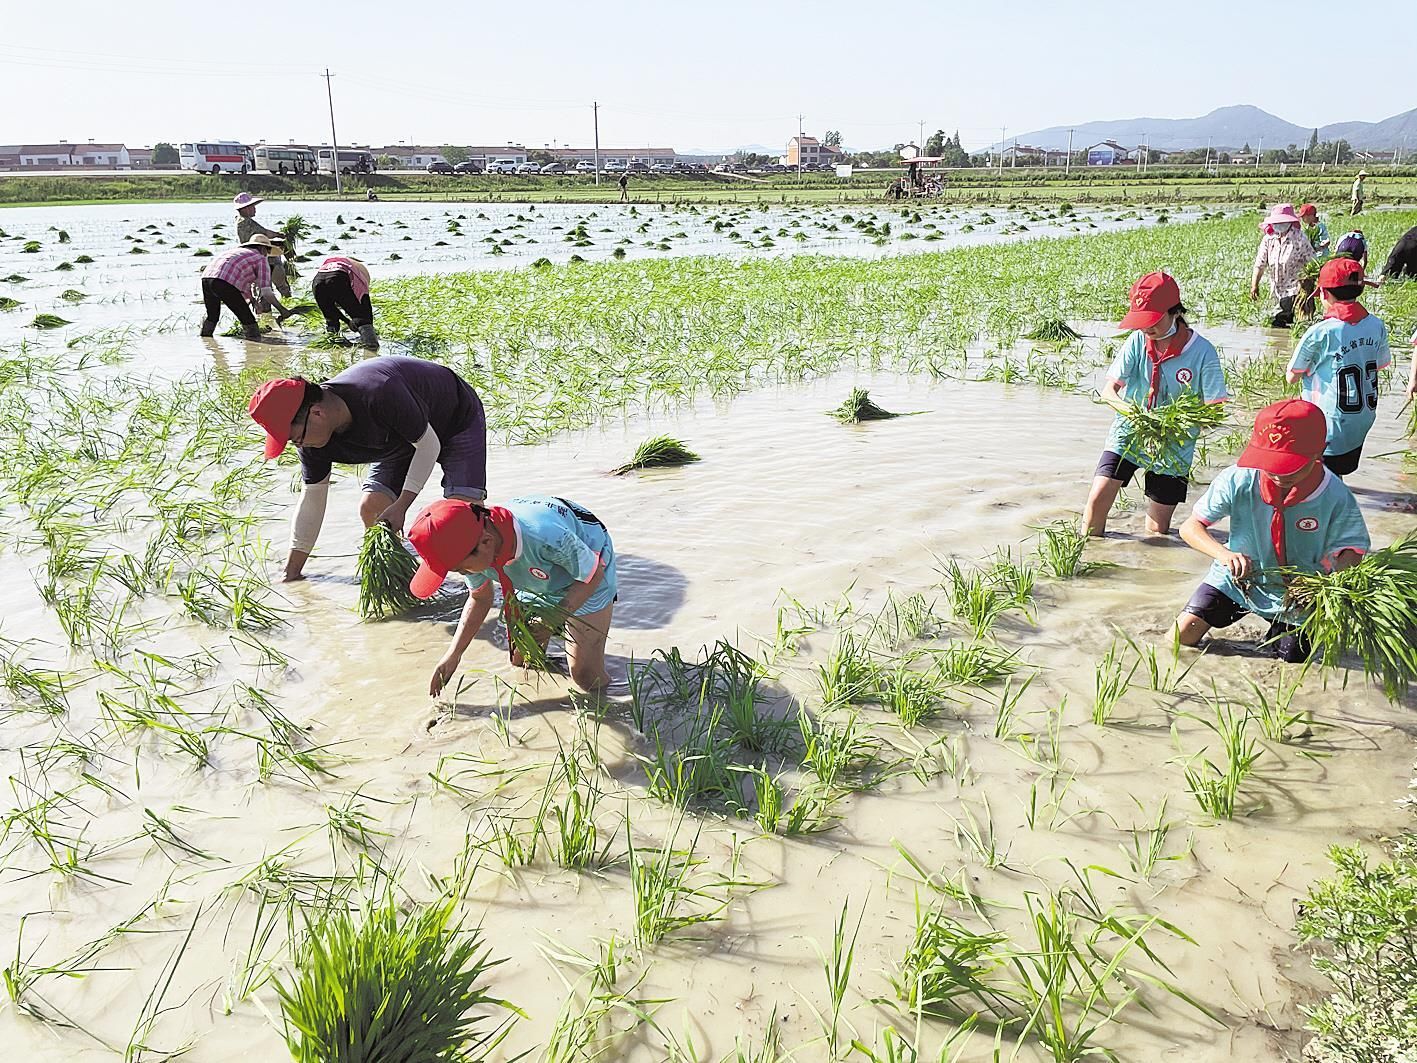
156,292
705,553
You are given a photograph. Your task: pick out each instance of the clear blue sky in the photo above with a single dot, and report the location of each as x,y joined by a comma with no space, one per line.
684,75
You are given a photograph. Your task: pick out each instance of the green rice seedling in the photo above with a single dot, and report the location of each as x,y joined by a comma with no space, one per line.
1164,678
858,407
381,985
31,247
849,674
973,664
1368,611
1278,721
1159,434
837,967
6,303
1054,330
914,697
1007,711
49,321
978,837
660,452
597,997
1147,847
975,599
575,844
669,894
1060,549
83,260
948,970
1015,578
385,568
1217,788
842,755
1111,680
697,771
72,295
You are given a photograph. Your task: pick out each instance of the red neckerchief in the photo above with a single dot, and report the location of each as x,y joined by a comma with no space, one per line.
1348,313
1271,493
1174,346
505,524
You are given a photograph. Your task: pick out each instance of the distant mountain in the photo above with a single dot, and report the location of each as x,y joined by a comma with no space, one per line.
1226,128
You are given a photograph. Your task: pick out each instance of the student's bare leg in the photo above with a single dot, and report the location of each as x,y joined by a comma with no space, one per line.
1190,629
372,505
585,649
1158,517
1099,504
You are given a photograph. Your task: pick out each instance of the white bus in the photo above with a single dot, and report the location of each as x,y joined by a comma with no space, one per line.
283,158
214,157
353,160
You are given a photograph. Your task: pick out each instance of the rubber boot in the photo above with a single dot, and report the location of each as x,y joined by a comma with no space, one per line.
208,327
368,338
256,334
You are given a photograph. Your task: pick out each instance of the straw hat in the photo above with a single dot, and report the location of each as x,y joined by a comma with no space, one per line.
1281,213
245,199
260,240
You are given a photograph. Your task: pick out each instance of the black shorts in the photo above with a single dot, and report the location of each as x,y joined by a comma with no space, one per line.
1343,464
1218,609
1162,489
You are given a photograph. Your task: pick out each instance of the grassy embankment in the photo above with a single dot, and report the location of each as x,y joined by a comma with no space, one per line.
1162,185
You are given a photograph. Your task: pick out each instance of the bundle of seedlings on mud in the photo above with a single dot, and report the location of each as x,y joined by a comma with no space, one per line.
1053,330
659,452
388,987
1368,611
385,568
1161,433
858,407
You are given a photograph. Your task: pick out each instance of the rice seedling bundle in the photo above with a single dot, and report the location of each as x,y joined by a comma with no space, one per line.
1369,610
1054,330
385,569
73,295
6,303
659,452
48,321
1160,433
84,260
388,988
858,407
31,247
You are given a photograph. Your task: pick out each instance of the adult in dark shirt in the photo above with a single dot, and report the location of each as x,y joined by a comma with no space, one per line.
398,415
1402,261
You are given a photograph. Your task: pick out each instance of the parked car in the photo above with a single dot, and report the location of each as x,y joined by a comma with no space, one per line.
441,167
585,166
528,167
662,167
558,167
468,167
504,166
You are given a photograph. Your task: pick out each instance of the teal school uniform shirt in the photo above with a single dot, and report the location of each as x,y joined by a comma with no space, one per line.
1316,531
554,549
1340,363
1196,368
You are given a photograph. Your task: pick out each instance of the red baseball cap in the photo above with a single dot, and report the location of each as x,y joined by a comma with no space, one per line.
273,407
1340,273
1307,209
444,534
1150,299
1286,437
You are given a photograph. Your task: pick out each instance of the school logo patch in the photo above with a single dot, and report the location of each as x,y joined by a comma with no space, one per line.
538,573
1307,524
1184,376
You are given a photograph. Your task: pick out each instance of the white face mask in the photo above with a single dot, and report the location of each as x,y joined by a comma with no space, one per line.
1282,227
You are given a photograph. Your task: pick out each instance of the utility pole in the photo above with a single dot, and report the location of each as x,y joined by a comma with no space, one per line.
1013,162
1259,152
595,113
334,139
799,147
1003,137
921,145
1207,154
1068,162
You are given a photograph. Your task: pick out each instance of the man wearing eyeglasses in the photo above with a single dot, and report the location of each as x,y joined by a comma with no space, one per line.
400,416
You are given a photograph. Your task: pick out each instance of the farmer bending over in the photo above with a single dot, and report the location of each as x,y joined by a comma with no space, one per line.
1286,510
341,290
398,415
545,553
238,280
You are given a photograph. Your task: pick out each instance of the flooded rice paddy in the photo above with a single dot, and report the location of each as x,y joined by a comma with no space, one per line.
205,771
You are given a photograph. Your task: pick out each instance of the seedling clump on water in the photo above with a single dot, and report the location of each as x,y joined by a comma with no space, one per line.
658,453
858,407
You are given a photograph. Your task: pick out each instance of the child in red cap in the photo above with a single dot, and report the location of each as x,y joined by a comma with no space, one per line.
1315,230
1339,360
542,551
1286,510
1159,362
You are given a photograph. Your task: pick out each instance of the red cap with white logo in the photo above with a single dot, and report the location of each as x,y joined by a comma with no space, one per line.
1150,299
1286,437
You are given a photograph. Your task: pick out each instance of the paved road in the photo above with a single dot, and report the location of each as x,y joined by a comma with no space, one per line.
75,171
